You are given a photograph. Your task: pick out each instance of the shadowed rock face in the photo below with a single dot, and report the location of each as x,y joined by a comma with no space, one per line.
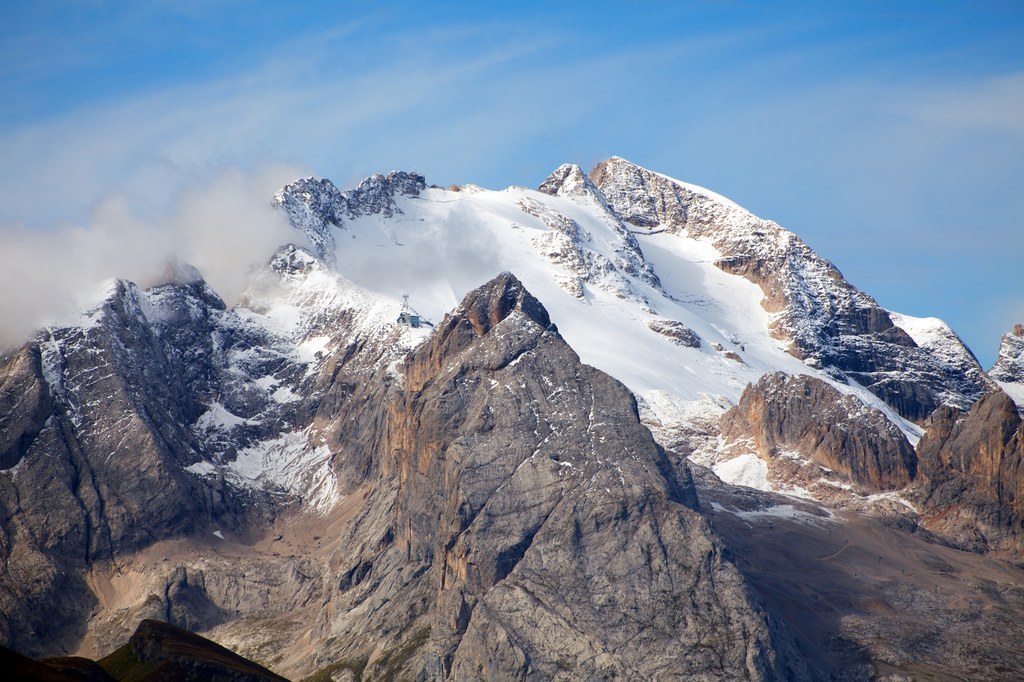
972,468
95,420
804,415
827,321
524,525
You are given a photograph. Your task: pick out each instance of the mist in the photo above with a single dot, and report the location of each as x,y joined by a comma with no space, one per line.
224,225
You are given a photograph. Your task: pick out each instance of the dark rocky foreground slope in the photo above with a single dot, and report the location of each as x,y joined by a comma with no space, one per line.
156,652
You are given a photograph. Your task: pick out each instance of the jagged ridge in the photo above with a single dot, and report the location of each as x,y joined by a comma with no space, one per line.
314,205
828,322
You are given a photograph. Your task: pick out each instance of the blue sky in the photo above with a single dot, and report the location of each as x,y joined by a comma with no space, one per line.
889,135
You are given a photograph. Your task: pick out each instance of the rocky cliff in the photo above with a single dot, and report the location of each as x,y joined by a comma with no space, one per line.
818,435
159,415
516,519
972,476
95,419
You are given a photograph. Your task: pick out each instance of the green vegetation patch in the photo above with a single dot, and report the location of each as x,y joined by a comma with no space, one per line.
393,660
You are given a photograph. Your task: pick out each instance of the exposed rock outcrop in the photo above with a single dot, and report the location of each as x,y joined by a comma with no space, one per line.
678,332
800,422
176,653
972,469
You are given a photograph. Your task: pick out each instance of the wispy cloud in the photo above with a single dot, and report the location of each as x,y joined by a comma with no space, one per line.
293,107
224,226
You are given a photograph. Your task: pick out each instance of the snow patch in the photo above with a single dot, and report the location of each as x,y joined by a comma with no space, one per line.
780,511
218,417
201,469
307,350
893,497
285,395
288,464
746,470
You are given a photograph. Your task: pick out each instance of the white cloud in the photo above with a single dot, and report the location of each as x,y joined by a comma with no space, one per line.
223,225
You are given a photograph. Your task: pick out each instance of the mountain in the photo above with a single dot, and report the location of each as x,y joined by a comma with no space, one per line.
618,378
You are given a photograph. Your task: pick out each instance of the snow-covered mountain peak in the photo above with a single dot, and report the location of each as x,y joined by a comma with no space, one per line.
350,381
646,198
626,258
316,205
569,180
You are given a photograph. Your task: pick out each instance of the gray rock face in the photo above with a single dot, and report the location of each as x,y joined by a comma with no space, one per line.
25,402
569,180
1009,365
828,322
182,655
524,525
798,414
972,469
